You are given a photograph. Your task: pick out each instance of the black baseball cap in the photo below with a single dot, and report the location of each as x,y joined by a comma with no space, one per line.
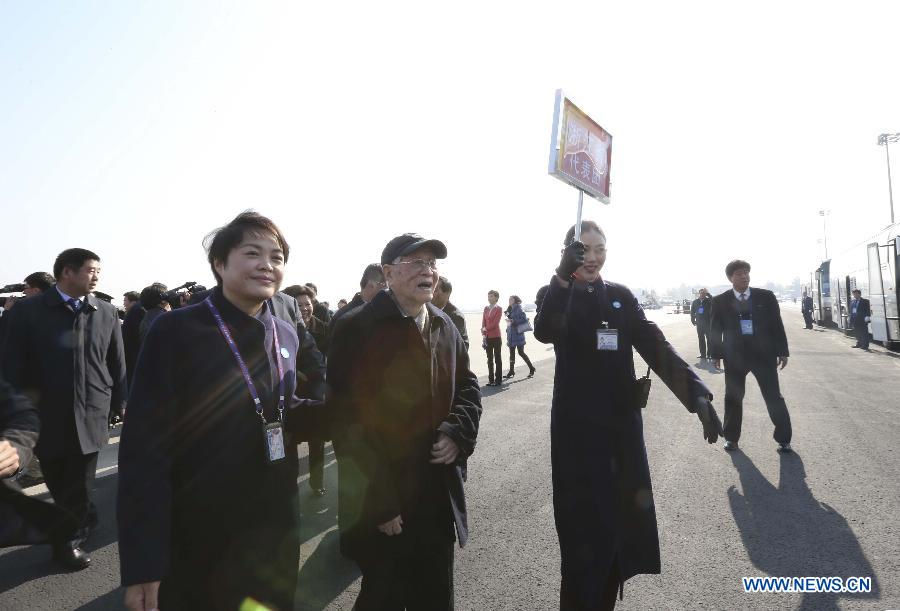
404,244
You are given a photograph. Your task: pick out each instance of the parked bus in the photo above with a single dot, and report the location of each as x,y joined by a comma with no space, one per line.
871,266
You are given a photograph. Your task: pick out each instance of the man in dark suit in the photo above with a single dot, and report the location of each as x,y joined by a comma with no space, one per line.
700,313
65,346
371,283
860,315
806,307
746,330
442,300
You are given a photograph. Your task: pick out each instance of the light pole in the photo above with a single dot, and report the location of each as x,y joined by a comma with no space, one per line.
884,140
822,213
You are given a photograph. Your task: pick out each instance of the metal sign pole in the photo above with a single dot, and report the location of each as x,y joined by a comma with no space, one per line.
578,220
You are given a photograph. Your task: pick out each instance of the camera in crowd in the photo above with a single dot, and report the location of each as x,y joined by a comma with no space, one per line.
16,288
157,294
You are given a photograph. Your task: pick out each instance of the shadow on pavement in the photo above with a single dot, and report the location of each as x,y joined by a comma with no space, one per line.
788,533
325,574
25,564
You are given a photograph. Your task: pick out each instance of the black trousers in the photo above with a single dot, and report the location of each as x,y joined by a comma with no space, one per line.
70,479
494,349
417,581
807,318
766,373
512,358
861,331
316,463
607,601
703,339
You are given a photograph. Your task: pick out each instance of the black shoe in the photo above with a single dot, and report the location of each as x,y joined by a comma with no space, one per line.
731,446
71,557
319,492
511,374
784,447
531,373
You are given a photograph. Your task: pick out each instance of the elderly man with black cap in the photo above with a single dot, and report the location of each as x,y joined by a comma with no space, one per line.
407,406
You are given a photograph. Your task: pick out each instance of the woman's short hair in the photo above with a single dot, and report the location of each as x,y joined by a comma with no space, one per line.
223,240
516,298
297,290
585,227
494,293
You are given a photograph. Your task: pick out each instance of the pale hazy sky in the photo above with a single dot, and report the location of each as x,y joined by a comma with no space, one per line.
133,129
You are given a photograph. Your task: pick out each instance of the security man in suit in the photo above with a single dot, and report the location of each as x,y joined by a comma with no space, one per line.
700,312
806,306
746,330
65,346
860,315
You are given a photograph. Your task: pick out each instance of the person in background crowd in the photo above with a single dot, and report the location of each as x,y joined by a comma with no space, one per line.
319,330
131,329
66,346
208,498
320,310
540,295
602,493
860,315
155,301
516,319
370,284
490,331
700,312
35,284
407,408
746,330
441,300
806,307
341,304
130,299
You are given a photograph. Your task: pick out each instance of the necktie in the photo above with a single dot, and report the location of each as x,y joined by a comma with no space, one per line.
75,304
743,296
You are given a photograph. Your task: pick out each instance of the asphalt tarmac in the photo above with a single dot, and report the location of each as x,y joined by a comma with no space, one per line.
828,509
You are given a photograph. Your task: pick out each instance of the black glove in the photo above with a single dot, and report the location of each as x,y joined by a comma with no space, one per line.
572,259
712,427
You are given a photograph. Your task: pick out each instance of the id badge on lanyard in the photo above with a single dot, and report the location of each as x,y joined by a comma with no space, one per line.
608,339
273,432
747,326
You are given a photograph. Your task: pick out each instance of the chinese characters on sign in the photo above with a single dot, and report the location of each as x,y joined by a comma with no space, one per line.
585,151
582,154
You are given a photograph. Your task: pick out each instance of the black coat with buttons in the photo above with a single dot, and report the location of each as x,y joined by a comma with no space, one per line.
602,494
199,506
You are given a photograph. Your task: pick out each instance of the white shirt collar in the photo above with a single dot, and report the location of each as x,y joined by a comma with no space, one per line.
738,295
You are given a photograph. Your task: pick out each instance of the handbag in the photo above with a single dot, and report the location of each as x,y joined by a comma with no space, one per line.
525,326
642,391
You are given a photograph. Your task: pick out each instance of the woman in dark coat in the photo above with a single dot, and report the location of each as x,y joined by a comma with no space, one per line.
602,497
515,339
208,502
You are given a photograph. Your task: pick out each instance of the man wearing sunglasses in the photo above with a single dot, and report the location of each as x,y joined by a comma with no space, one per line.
407,407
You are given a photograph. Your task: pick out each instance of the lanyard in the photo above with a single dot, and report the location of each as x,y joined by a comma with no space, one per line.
240,361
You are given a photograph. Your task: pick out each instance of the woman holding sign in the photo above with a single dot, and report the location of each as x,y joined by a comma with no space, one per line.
208,497
602,497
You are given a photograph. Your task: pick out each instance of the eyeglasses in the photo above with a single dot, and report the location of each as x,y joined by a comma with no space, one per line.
420,265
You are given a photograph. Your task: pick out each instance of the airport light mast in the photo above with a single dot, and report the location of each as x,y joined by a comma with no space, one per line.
884,140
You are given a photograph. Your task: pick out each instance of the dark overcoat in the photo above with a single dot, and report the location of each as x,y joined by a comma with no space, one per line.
726,340
602,495
199,507
131,336
459,320
391,395
701,312
74,363
23,519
